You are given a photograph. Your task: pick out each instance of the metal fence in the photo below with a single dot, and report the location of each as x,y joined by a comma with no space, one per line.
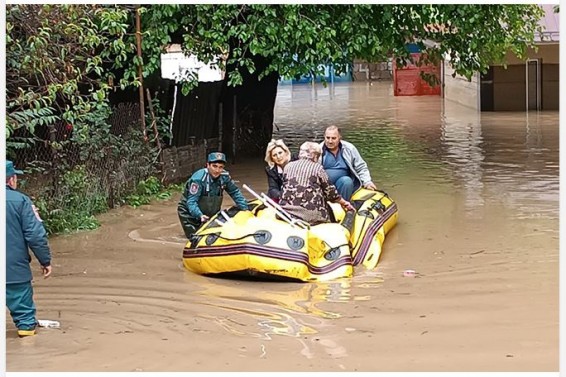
110,163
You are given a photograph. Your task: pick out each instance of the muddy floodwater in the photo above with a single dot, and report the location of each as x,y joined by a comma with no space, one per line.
478,199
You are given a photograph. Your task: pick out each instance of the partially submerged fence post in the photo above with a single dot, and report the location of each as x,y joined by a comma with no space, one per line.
220,127
234,129
140,71
153,121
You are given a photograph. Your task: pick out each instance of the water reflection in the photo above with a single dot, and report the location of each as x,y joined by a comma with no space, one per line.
480,160
285,309
461,134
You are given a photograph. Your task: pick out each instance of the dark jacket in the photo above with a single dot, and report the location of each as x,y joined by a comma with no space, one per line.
24,231
202,184
274,182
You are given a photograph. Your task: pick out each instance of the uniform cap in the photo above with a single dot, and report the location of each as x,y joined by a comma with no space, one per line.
216,156
11,170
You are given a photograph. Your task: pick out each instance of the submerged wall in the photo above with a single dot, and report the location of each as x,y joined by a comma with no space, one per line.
458,89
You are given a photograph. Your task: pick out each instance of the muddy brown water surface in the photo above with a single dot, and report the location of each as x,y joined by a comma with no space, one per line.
478,198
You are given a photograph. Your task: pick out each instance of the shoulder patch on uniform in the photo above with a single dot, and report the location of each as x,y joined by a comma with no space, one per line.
36,212
193,189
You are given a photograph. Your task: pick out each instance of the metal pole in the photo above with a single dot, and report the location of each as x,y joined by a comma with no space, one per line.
234,129
173,114
282,214
527,86
140,71
153,120
220,121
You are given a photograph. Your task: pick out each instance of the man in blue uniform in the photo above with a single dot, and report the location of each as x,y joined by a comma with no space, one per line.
24,231
202,197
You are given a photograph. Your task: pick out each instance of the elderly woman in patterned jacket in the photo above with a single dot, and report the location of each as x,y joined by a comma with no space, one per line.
307,189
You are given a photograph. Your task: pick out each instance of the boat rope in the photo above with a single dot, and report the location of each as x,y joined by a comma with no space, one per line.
241,238
336,247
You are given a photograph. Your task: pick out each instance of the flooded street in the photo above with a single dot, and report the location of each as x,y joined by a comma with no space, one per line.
478,199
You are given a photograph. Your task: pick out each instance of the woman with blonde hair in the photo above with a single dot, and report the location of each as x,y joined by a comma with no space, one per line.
277,155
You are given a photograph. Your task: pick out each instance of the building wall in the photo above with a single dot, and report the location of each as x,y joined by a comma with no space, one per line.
512,80
549,53
509,88
550,86
458,89
509,83
364,71
179,163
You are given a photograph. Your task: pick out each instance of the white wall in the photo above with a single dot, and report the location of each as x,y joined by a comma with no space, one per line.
175,65
458,89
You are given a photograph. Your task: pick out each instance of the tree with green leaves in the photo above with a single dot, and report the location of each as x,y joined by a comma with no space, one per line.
62,61
59,57
254,42
58,60
296,39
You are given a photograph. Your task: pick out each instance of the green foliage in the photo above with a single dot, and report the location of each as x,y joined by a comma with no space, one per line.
97,168
120,157
75,209
176,187
148,190
298,38
59,70
162,121
58,59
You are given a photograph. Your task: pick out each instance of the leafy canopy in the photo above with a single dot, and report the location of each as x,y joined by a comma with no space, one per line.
298,38
58,60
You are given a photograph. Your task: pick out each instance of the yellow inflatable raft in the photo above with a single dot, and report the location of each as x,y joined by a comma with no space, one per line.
266,243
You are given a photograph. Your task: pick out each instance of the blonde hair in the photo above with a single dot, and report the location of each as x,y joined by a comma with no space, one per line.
310,150
271,146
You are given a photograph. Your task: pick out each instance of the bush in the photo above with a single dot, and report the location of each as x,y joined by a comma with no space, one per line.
75,205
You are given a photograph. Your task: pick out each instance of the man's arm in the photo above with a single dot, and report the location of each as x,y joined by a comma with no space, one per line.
35,234
235,193
194,191
361,168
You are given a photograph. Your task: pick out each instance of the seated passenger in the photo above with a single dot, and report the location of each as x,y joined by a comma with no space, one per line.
343,163
306,188
277,155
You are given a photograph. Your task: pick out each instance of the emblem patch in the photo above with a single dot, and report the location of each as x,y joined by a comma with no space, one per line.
36,212
193,189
